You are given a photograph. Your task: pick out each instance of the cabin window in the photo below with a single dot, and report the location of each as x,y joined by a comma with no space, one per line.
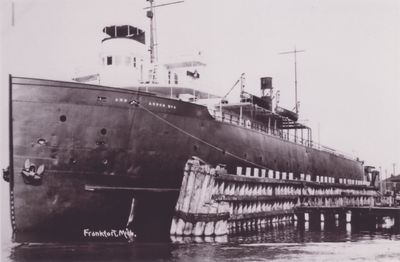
118,60
176,78
169,77
134,62
127,61
109,60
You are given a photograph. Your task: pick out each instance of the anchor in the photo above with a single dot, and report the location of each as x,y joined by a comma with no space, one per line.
31,175
6,174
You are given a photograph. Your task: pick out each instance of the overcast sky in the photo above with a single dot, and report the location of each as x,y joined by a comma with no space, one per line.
349,75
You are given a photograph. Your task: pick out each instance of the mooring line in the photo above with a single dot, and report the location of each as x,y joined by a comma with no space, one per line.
195,137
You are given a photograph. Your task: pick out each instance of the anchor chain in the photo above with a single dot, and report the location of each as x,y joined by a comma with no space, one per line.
6,177
12,212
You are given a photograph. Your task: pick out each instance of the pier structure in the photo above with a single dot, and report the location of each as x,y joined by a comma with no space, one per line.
213,203
358,216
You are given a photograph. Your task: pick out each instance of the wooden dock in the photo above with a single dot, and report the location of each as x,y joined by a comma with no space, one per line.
357,215
212,202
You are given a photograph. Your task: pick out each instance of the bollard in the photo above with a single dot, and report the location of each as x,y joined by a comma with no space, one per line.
179,227
256,172
187,231
263,172
248,171
270,173
348,217
209,229
172,230
221,188
221,228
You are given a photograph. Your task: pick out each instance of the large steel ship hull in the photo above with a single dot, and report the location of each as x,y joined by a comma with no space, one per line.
95,136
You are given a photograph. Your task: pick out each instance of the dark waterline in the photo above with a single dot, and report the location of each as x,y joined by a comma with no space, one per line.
280,243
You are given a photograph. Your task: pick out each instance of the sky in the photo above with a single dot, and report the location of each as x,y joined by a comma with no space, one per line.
348,76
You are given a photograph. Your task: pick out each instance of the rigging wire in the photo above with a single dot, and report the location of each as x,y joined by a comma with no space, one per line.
195,137
237,82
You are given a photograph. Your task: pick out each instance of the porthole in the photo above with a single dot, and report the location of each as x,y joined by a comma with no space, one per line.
63,118
41,141
103,131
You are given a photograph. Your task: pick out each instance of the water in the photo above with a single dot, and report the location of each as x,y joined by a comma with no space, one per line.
281,243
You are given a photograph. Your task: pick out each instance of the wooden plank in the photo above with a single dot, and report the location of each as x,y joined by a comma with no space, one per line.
201,217
264,180
261,214
253,198
344,194
133,189
370,210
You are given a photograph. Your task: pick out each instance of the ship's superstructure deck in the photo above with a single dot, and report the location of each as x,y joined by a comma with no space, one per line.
259,119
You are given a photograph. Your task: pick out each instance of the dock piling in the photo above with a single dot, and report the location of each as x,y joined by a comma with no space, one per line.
212,202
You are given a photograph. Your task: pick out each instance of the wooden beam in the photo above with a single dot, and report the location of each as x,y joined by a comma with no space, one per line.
131,189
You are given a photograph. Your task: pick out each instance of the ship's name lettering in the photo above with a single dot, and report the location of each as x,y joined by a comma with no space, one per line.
162,105
123,100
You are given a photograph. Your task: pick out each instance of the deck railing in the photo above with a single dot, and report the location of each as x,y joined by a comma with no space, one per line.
260,127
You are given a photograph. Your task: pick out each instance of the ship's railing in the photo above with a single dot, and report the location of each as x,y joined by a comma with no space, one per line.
260,127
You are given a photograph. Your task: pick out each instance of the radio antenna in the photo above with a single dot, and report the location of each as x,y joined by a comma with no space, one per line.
294,52
153,32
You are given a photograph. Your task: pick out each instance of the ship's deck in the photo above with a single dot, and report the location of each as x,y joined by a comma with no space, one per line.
260,119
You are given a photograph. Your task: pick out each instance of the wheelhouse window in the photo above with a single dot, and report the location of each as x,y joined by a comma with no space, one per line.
109,60
127,60
176,79
118,60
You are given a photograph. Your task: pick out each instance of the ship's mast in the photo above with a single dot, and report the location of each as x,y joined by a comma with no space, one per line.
150,15
294,52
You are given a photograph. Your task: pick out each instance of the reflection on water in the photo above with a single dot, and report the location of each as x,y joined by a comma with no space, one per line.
281,243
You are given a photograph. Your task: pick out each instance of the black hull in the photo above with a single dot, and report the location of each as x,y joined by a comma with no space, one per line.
87,135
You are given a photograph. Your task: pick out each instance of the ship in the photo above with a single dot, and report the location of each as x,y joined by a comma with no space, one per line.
85,154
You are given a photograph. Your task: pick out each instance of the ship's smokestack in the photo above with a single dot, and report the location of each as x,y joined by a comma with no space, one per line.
266,91
266,84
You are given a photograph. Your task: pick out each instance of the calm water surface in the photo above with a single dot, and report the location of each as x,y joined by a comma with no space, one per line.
276,244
